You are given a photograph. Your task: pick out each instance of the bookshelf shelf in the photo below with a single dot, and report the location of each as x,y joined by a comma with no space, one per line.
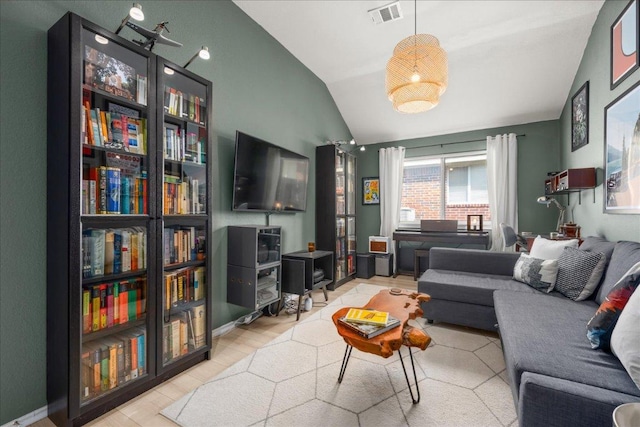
107,235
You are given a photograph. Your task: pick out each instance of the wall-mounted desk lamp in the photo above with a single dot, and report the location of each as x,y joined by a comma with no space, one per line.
546,200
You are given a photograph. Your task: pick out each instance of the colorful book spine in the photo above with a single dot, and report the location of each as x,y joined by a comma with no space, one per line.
113,190
125,201
117,252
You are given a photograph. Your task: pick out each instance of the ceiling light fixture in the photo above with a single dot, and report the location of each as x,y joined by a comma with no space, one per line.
202,53
135,12
417,72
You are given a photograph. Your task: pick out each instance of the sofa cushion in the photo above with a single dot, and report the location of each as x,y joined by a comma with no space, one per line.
550,249
625,254
579,273
625,339
598,244
546,336
601,325
470,288
538,273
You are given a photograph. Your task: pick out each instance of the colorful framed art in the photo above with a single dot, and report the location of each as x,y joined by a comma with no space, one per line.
371,191
624,44
580,118
622,153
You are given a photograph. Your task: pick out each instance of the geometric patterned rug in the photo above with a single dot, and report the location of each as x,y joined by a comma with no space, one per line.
292,381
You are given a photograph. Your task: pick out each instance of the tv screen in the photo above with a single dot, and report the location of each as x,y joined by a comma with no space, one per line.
268,178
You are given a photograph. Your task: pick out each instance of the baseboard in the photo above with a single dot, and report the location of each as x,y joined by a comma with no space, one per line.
30,418
221,330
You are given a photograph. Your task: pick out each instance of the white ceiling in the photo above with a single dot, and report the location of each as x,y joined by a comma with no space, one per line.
510,62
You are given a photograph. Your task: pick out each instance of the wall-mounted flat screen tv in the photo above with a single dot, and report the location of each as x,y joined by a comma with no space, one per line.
268,178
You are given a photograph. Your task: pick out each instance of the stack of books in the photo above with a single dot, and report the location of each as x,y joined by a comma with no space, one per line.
369,323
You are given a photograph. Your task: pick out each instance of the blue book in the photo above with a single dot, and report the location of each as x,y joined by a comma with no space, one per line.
117,252
141,353
113,190
125,198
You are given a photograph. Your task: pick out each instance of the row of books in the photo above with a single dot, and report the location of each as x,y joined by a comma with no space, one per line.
112,362
184,105
184,285
113,251
113,130
184,333
106,190
106,305
183,145
184,244
186,196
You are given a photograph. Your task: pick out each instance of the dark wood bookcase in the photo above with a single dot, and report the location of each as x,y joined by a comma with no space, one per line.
107,304
336,210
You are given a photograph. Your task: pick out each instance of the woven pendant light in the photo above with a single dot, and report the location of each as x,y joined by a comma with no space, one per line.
416,73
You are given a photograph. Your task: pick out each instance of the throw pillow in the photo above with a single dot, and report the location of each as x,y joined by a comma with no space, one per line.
625,255
550,249
579,273
625,339
601,325
538,273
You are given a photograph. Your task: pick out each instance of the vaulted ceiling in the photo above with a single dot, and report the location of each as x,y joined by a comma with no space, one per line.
510,62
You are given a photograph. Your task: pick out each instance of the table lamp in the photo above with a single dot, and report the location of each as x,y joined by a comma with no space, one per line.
546,200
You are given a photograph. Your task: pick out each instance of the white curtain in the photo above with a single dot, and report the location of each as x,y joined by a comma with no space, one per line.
391,171
502,181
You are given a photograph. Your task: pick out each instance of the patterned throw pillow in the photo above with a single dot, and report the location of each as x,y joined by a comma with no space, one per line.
601,325
579,273
538,273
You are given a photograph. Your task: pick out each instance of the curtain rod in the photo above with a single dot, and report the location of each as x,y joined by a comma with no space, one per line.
453,143
458,142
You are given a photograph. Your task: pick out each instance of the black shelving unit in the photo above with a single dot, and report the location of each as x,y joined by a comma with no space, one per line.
105,224
253,265
335,209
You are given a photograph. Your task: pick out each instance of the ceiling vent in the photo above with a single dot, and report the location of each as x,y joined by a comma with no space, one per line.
390,12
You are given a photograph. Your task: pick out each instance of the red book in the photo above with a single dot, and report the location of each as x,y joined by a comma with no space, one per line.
89,126
138,302
123,299
125,131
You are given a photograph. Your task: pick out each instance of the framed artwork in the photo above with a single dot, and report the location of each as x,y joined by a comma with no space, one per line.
371,191
622,153
624,44
580,118
474,222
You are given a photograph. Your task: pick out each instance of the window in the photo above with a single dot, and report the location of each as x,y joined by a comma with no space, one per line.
444,187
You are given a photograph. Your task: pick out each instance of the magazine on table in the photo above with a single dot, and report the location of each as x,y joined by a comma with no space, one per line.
370,331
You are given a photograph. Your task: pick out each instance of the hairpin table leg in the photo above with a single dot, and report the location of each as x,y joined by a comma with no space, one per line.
415,377
345,360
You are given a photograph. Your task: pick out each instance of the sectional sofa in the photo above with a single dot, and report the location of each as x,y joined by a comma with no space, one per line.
556,378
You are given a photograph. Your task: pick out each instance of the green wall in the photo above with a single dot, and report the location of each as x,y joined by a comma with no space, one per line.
594,67
259,88
537,154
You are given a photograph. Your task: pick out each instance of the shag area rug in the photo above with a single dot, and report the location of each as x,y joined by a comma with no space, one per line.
293,381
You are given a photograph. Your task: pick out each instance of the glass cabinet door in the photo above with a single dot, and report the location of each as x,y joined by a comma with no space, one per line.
114,206
183,207
350,189
341,266
351,245
340,183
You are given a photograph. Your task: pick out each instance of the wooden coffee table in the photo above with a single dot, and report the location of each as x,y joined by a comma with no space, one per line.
403,305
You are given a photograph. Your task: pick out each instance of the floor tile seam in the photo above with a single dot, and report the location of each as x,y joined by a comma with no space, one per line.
397,394
484,363
269,416
482,400
455,348
215,378
488,408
